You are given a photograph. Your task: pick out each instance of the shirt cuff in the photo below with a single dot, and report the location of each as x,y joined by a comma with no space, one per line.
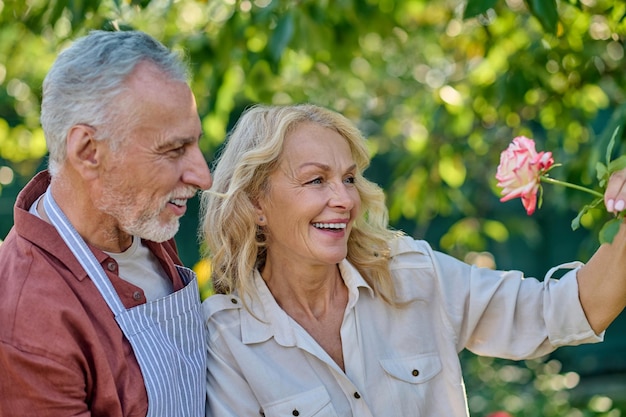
565,319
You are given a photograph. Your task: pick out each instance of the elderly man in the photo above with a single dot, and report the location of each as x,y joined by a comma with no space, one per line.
97,317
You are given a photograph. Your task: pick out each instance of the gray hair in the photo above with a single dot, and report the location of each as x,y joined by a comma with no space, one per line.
85,80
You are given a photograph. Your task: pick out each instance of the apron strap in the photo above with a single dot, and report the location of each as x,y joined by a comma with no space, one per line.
82,253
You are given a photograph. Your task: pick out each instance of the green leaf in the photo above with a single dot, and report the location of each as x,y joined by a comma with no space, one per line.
576,220
545,11
609,230
476,7
609,148
602,172
617,164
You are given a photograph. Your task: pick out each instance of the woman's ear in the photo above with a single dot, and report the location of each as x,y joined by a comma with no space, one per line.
260,220
84,153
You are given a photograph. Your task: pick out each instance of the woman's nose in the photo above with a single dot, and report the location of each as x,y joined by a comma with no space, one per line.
342,196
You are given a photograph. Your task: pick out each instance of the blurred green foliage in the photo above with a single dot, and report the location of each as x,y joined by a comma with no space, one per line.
533,388
438,93
439,88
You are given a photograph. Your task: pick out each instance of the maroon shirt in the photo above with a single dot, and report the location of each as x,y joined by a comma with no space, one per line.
61,350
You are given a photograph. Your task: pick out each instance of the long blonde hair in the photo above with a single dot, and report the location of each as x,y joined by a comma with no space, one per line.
234,242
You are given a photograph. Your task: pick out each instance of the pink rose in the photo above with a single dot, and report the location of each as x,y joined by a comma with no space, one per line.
520,171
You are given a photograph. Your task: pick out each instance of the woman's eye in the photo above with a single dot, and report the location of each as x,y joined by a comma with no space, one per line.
349,180
315,181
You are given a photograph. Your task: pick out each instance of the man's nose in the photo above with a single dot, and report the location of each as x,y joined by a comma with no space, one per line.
197,172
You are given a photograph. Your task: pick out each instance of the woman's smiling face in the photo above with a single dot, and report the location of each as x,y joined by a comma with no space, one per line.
312,201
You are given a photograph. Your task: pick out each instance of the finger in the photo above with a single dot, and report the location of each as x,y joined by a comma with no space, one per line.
615,194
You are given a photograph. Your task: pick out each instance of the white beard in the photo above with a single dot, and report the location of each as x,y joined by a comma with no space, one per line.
139,218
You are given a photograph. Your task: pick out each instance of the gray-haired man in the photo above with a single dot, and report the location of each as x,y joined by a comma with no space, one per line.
97,318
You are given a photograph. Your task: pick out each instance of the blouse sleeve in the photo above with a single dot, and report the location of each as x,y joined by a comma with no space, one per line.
504,314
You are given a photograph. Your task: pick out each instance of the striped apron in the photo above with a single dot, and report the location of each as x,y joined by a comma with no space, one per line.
167,335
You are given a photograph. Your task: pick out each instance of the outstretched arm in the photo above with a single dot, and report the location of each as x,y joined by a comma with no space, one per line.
602,281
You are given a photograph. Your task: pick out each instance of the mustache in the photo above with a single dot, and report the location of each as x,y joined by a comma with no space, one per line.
184,193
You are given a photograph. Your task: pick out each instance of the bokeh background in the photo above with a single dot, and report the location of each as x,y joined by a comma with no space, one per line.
440,88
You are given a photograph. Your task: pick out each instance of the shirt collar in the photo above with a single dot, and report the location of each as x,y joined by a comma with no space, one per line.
354,281
265,319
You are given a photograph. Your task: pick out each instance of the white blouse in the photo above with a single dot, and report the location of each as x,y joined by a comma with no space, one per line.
398,361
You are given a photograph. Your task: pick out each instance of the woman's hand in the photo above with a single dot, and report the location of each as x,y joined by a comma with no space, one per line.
615,195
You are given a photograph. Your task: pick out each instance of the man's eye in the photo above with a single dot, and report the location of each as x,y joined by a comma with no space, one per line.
177,151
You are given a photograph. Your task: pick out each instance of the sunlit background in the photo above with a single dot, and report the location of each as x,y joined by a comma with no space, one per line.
440,87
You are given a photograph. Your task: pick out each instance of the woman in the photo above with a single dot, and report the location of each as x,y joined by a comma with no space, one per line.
324,311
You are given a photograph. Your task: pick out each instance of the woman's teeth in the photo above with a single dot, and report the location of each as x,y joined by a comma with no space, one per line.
330,225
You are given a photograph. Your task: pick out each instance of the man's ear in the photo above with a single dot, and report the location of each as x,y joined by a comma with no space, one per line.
84,153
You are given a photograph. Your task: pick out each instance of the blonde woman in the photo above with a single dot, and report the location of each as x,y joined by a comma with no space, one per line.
325,311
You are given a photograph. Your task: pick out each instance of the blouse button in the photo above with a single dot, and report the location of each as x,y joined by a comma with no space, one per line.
295,413
357,395
111,266
415,372
137,295
233,300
